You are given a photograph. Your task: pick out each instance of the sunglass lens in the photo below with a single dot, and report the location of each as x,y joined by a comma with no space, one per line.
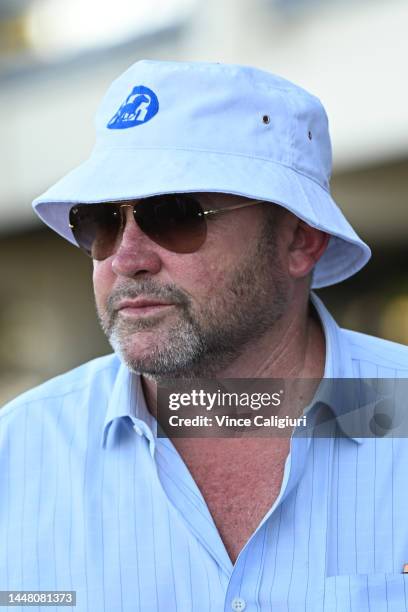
96,228
175,222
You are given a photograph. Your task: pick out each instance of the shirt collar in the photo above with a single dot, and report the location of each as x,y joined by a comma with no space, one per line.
338,363
127,400
127,397
343,398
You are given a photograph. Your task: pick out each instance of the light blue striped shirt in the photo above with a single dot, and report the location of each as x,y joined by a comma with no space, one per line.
92,501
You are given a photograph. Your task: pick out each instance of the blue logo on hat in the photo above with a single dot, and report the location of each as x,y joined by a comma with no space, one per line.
139,107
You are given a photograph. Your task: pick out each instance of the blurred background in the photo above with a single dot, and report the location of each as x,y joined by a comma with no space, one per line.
57,57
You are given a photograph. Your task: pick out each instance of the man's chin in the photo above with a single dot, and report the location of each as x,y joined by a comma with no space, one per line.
138,347
168,349
155,357
136,361
148,366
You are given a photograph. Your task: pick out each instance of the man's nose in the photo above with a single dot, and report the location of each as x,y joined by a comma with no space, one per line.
136,253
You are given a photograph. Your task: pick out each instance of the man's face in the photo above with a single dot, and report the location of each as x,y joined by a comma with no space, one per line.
212,302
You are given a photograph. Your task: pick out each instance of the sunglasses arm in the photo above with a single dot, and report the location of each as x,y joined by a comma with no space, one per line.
228,208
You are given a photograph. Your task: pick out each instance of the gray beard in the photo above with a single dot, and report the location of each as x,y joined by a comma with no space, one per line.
202,343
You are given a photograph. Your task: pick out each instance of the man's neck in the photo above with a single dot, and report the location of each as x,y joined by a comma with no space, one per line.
295,348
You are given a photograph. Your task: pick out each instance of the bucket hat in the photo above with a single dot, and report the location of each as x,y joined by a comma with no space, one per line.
175,127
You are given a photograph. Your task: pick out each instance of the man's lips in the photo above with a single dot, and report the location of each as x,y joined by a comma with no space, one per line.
140,306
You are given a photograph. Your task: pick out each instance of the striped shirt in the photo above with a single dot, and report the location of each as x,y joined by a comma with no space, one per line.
92,501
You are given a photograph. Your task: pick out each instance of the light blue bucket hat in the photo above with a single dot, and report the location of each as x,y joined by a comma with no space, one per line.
167,127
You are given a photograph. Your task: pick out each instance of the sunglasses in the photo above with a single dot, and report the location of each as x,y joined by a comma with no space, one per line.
176,222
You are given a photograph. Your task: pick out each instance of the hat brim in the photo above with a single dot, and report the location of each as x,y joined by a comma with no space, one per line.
128,173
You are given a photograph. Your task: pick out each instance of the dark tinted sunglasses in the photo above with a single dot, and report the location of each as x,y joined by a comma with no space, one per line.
176,222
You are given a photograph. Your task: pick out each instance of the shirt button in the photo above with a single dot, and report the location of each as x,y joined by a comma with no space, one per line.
238,604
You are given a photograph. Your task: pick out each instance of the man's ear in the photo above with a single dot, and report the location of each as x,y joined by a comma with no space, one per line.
306,248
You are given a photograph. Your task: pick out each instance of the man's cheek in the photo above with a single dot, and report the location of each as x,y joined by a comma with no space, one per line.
102,282
209,280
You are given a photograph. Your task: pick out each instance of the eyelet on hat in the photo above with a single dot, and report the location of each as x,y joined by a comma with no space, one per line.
266,119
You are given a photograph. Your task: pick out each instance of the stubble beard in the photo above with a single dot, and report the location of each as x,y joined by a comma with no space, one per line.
201,343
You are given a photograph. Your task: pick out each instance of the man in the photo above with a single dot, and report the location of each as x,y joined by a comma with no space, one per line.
206,208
